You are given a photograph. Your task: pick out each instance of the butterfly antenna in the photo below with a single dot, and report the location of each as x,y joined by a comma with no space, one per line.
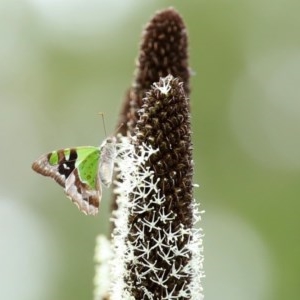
102,114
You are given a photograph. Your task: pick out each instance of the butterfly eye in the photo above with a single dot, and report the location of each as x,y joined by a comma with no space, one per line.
111,140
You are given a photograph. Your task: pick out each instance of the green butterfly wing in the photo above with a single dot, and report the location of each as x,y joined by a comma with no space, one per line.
76,169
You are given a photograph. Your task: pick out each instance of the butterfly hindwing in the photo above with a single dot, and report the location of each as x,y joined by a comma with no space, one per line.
83,186
75,169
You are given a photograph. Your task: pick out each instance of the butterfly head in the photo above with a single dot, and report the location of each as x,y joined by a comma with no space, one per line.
109,142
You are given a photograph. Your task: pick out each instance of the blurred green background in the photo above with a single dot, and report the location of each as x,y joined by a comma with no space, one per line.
63,61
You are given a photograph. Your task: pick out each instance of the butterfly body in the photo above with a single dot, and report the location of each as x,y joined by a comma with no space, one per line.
80,171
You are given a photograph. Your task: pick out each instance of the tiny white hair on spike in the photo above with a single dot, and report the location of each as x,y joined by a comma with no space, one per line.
136,181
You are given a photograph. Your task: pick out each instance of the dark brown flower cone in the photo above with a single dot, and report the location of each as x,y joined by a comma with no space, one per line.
164,123
163,51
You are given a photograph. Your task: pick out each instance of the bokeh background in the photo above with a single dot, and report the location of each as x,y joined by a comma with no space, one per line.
63,61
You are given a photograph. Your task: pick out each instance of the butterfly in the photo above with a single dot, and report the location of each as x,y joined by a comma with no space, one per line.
81,171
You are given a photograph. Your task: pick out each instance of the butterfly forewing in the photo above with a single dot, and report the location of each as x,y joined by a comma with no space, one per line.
57,164
76,169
